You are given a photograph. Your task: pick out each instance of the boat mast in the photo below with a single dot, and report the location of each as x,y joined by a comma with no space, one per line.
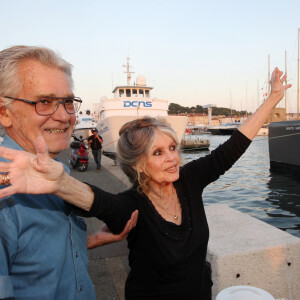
269,78
285,92
230,99
127,66
298,75
257,96
246,100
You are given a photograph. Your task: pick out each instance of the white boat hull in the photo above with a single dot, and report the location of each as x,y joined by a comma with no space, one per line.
110,126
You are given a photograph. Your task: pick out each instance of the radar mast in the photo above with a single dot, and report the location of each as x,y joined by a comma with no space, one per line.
127,66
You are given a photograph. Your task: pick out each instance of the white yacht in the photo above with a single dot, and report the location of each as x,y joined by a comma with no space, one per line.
130,102
83,126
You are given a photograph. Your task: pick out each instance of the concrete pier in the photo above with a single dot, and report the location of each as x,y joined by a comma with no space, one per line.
242,250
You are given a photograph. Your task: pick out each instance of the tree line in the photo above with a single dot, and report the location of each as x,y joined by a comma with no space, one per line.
175,109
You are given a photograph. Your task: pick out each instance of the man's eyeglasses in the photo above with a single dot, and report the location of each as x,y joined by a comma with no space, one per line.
46,106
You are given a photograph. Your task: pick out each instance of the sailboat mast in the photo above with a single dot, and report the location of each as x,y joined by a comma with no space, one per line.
257,93
230,105
285,92
298,75
269,76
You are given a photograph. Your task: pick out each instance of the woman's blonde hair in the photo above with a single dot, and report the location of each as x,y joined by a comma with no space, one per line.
134,146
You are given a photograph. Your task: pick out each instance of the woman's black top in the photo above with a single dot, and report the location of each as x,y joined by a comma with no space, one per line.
167,261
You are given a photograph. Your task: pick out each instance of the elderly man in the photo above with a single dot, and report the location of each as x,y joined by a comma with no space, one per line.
42,244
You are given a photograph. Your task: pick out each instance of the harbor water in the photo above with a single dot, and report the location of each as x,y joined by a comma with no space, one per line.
250,187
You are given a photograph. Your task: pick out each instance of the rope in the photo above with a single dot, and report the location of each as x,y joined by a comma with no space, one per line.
276,137
109,143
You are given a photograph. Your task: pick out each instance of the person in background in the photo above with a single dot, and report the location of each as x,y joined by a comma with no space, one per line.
169,243
95,141
43,244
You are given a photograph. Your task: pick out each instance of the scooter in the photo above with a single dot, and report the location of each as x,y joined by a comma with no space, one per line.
79,156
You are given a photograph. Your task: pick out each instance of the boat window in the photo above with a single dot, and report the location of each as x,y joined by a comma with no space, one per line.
121,92
134,93
87,120
141,93
128,93
147,93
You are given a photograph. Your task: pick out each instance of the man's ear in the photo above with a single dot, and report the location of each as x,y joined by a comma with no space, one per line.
5,117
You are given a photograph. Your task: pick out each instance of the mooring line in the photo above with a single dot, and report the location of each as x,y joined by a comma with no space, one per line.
276,137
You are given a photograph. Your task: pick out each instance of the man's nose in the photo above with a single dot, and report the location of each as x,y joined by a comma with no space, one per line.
60,112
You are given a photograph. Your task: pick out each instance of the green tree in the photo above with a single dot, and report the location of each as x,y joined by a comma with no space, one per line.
175,109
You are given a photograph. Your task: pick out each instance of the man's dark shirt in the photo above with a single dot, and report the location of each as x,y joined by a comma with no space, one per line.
95,145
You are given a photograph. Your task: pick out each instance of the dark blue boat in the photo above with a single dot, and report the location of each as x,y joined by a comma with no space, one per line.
284,145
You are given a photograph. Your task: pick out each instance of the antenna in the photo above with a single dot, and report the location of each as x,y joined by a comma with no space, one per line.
127,66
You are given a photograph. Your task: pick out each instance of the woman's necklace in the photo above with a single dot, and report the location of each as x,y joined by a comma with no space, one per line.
166,209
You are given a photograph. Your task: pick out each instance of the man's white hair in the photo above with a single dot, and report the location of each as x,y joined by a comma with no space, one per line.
10,58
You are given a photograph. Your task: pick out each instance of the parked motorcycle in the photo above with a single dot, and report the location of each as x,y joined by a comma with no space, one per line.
79,156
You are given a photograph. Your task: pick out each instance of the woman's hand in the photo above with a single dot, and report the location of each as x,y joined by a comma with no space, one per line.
29,173
277,80
105,236
251,126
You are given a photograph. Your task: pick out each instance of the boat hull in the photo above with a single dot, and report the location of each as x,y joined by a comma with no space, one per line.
194,144
222,131
284,144
110,127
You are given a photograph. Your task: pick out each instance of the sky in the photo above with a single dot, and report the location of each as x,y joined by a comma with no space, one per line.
192,52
